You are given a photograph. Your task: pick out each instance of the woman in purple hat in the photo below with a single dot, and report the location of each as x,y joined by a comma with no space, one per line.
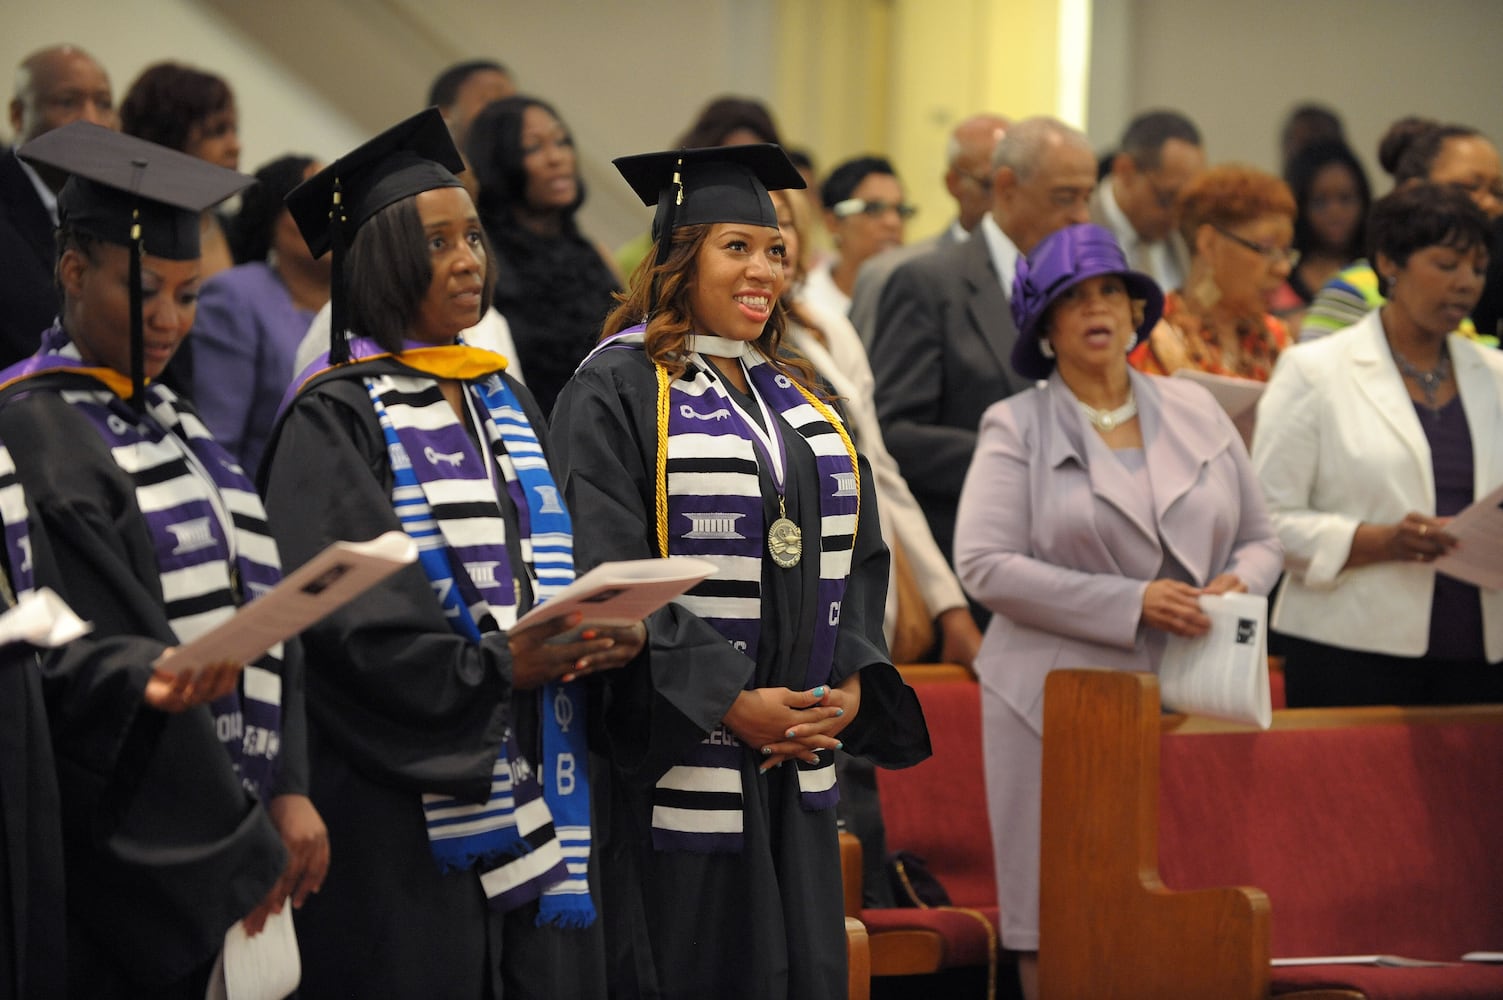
1099,507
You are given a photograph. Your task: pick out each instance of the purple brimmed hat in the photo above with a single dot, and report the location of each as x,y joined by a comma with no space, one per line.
1062,260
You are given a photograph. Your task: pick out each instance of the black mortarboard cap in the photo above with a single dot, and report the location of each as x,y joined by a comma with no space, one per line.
119,180
136,194
691,187
413,156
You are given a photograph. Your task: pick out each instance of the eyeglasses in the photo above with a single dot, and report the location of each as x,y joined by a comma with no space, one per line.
875,209
1274,254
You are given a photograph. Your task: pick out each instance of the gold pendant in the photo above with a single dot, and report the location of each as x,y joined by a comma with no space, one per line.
786,543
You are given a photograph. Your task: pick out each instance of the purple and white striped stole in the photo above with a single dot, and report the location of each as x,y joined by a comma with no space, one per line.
444,495
213,551
715,512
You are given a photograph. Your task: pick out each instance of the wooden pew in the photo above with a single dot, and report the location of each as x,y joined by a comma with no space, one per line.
1404,860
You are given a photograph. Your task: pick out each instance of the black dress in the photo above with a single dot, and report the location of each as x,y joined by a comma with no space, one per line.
164,848
398,705
555,293
765,923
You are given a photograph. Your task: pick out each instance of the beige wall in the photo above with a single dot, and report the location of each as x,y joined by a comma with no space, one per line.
1236,68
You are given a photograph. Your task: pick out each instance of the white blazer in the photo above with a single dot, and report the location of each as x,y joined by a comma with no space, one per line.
1338,443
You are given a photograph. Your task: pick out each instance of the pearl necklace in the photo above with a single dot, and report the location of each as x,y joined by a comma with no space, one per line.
1107,420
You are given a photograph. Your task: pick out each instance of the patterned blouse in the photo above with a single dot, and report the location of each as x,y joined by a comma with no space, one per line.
1259,341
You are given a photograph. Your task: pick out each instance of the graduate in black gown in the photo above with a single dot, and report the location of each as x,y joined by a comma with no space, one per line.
691,434
448,749
182,795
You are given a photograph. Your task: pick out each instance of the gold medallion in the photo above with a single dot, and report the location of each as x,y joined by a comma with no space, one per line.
786,543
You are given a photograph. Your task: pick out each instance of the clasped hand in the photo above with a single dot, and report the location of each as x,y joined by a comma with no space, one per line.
535,661
1174,607
784,724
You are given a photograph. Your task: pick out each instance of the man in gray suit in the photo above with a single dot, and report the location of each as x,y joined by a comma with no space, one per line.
1137,200
968,178
944,330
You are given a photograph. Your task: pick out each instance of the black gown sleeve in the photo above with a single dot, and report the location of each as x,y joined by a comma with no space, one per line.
414,704
889,729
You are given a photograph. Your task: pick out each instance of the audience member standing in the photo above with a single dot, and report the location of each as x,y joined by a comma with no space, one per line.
1239,223
1331,200
252,317
1367,443
553,285
54,86
865,210
463,90
1101,505
944,331
1413,150
968,178
191,111
1137,201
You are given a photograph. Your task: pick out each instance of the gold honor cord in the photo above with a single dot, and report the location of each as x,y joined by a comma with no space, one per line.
662,457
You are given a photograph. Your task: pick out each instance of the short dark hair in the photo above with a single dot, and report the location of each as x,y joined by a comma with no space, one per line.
1146,134
388,272
1417,216
261,205
1300,173
846,177
445,88
725,115
1307,123
494,150
168,99
1409,148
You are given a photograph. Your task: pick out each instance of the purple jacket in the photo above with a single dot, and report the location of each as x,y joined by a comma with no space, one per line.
244,338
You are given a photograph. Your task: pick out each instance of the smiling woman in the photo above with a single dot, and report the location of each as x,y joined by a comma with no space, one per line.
693,433
553,284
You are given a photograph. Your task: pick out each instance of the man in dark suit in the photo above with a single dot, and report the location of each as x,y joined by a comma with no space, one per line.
1160,155
944,330
54,86
968,178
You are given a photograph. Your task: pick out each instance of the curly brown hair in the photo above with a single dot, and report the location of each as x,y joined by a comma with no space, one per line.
1232,195
671,321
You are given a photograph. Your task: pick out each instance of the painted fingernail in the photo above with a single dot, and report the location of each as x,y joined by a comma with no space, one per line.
582,665
765,768
790,734
767,751
839,712
566,678
818,692
839,745
590,634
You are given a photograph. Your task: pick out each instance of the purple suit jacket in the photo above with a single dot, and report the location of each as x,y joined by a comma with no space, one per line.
1045,540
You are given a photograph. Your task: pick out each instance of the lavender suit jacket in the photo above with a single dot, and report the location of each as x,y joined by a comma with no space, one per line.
1045,540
